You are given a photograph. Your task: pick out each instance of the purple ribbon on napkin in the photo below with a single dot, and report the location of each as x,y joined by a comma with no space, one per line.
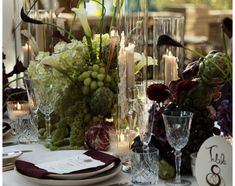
29,169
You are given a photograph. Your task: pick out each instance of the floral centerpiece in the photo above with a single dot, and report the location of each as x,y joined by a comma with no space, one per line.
85,74
197,90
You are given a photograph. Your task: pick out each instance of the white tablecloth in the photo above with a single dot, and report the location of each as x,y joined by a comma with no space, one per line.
39,153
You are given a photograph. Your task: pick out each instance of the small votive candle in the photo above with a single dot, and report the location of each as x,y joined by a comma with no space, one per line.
119,142
17,109
123,143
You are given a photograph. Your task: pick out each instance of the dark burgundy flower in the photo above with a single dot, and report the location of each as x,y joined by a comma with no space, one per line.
172,87
182,89
185,86
158,92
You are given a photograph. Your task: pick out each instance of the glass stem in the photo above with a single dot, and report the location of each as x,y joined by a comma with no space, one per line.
177,165
48,126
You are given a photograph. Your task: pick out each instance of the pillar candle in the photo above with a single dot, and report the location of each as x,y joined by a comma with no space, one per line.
41,29
27,54
171,72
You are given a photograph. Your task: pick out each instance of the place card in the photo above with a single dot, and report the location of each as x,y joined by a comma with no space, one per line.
70,164
214,162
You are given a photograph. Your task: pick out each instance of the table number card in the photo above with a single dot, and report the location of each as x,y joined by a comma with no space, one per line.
214,163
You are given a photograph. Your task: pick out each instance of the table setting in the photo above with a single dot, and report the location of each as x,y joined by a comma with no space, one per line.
88,113
40,154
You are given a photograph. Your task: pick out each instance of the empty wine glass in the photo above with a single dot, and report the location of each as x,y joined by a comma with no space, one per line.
146,120
33,106
177,126
46,98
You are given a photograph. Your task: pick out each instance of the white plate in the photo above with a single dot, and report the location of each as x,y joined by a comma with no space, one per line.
13,154
101,177
10,156
76,176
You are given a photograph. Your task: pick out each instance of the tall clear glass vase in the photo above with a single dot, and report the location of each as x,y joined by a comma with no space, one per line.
132,61
133,23
169,58
133,28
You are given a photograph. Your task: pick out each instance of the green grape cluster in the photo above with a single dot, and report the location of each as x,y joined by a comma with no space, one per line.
94,78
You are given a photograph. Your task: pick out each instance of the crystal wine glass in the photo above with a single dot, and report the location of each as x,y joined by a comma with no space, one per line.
46,98
33,105
177,126
146,120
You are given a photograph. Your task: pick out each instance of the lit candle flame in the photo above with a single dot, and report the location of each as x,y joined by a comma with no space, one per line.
122,138
27,47
18,106
168,52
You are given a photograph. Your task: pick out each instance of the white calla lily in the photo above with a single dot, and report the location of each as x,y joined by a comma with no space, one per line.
82,16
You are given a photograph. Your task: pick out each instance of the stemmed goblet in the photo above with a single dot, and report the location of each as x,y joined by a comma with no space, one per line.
33,106
146,120
177,126
46,98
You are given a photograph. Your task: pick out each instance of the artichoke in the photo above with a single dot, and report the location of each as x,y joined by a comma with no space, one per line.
199,97
215,69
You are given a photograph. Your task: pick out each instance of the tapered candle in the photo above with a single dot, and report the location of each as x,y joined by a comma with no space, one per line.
130,65
122,85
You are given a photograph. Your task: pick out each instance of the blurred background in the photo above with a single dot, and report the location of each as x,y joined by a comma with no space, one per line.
202,22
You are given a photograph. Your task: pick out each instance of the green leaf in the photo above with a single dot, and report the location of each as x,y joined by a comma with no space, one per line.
140,61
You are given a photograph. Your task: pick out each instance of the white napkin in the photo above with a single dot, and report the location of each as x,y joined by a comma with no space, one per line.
70,164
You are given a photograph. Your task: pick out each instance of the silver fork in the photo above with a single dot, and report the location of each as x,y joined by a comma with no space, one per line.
121,184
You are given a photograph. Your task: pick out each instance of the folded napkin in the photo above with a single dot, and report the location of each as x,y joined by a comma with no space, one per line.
5,127
29,169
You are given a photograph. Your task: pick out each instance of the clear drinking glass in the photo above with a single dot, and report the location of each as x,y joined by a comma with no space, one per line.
177,125
144,166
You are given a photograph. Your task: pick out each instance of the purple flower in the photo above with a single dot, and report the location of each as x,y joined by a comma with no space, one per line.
224,117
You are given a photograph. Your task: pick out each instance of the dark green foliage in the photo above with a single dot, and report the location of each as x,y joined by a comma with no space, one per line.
102,101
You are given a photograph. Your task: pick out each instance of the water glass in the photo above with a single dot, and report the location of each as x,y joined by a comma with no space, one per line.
144,164
27,131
